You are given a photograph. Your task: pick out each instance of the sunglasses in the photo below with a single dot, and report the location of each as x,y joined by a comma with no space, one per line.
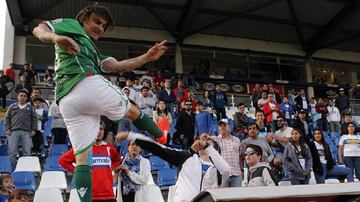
250,153
188,104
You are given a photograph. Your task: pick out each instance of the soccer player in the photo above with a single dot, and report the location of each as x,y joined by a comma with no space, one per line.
82,93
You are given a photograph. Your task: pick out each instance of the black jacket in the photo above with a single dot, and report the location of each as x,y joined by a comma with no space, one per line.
299,103
299,125
317,167
185,124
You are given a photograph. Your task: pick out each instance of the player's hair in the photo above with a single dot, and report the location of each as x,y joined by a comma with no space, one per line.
97,10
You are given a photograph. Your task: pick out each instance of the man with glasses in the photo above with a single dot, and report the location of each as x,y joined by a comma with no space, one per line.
185,126
253,133
283,135
230,152
259,172
241,120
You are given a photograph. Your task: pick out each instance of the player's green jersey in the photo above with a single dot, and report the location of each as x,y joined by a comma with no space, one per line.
70,70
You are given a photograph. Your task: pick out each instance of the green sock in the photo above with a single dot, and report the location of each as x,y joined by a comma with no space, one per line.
146,123
82,179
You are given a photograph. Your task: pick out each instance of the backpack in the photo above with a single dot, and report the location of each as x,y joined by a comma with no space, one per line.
258,172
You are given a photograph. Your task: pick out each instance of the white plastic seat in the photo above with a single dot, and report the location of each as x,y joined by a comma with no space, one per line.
46,195
332,181
155,193
53,179
74,197
28,164
312,178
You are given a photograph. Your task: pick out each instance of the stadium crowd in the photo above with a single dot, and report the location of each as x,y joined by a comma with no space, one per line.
291,137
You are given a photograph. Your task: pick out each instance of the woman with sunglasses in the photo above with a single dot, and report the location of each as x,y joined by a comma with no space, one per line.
349,149
259,172
297,159
323,164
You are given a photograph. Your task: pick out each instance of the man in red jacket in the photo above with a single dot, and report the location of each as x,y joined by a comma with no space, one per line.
272,111
104,160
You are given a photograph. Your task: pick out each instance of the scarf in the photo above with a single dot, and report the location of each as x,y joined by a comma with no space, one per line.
134,166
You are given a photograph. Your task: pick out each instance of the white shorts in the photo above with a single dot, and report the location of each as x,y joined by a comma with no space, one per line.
81,109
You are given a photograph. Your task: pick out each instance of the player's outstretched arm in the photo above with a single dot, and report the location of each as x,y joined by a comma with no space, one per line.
154,53
44,34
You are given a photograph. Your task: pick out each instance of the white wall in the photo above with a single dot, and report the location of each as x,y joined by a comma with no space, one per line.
6,36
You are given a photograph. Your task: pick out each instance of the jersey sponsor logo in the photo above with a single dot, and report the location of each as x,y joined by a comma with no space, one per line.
352,141
101,161
62,80
56,21
82,191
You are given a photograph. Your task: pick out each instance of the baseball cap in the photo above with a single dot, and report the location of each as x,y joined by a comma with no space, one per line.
341,89
302,111
223,121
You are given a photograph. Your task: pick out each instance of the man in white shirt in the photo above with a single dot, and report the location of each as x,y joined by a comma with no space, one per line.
283,135
145,103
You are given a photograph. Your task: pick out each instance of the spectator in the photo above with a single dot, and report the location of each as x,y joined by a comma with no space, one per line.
6,86
347,120
180,93
230,152
342,102
253,131
241,120
322,109
271,111
191,179
163,119
19,195
168,96
277,97
105,159
145,103
20,124
260,173
283,135
303,125
28,74
301,101
6,187
207,102
262,100
349,150
203,121
159,78
58,128
298,159
185,125
260,121
291,96
42,117
9,72
287,110
256,95
23,85
137,87
133,93
265,88
146,78
323,163
135,173
190,98
220,101
334,117
36,93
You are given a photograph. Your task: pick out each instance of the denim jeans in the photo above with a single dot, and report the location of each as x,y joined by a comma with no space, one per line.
14,139
233,181
354,164
337,172
298,182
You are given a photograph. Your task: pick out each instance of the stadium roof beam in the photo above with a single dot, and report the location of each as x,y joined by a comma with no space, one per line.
230,16
320,38
38,12
161,21
16,17
185,22
296,22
